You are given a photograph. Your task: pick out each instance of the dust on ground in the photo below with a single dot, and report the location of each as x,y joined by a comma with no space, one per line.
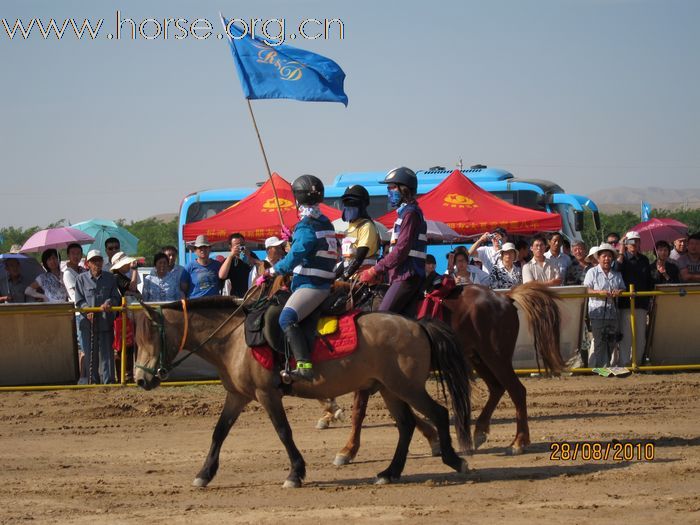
127,456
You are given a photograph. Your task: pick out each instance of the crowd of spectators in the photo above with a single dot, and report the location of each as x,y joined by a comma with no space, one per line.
492,260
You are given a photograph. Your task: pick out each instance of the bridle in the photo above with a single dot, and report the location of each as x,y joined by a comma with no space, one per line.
163,368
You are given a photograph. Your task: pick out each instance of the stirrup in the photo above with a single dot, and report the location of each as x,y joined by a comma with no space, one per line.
303,371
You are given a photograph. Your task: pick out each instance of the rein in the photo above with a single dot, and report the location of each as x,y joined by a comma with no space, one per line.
162,369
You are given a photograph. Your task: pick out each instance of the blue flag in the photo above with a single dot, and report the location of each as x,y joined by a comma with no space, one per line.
283,71
646,211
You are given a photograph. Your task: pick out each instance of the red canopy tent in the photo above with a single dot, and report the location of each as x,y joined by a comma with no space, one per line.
255,217
469,210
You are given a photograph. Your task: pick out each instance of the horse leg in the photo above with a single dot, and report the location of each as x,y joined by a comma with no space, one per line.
331,412
406,423
233,406
359,410
503,372
438,414
496,390
430,434
272,403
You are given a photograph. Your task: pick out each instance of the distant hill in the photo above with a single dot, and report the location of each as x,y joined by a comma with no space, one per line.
615,200
163,217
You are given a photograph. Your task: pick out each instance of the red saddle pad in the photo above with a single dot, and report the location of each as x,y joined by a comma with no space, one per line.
340,344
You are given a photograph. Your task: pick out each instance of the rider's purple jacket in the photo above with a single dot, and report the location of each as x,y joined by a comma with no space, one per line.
399,253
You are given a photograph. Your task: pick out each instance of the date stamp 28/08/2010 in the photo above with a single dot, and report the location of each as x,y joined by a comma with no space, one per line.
602,451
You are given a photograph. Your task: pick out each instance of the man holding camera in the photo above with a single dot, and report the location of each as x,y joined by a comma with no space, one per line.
606,284
236,267
635,270
489,255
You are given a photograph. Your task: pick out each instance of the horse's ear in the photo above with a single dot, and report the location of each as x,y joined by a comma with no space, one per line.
260,266
149,311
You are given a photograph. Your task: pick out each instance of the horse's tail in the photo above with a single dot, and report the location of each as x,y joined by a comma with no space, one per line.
449,363
540,305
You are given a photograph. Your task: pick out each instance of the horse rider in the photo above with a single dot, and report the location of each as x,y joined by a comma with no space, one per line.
405,262
311,259
360,247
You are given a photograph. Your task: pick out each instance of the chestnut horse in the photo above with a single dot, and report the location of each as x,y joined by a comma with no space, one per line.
394,356
487,325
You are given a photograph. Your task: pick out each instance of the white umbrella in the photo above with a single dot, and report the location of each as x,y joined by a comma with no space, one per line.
439,231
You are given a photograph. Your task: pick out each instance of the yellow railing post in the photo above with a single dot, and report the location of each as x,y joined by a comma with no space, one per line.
633,323
123,363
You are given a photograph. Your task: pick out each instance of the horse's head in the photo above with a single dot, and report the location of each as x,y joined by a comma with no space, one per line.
154,347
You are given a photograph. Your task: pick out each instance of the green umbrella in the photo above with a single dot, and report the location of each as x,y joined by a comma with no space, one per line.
102,230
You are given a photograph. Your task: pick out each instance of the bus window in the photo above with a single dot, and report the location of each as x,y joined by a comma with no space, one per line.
203,210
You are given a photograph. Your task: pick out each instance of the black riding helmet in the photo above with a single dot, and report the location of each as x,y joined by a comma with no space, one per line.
308,190
403,176
356,193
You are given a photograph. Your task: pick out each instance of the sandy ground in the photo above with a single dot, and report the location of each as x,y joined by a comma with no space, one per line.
127,456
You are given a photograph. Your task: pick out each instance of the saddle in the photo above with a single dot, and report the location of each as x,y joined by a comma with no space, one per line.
262,317
340,343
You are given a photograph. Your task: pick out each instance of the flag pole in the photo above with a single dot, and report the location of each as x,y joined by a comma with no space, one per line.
257,132
267,164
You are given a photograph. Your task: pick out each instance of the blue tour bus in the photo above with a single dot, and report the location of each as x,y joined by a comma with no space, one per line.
529,193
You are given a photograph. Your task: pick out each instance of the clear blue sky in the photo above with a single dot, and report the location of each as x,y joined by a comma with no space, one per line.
587,93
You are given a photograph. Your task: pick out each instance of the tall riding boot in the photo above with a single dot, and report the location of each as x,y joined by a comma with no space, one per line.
300,348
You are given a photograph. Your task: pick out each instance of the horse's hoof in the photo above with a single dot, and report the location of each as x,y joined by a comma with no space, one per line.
291,484
479,439
463,468
341,459
435,449
383,481
322,424
200,482
339,415
514,451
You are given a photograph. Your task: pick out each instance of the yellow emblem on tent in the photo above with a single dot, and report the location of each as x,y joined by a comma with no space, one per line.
455,200
270,205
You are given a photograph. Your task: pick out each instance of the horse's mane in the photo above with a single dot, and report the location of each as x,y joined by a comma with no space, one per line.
218,302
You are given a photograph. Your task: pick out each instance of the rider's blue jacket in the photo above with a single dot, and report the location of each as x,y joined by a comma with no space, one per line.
313,254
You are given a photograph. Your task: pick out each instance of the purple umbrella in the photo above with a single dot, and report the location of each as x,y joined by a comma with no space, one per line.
55,238
28,267
657,229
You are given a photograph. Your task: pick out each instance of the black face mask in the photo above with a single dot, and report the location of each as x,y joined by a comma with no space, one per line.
350,213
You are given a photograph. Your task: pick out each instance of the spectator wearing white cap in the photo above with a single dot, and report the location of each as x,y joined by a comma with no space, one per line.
274,252
606,285
202,274
505,274
97,289
635,269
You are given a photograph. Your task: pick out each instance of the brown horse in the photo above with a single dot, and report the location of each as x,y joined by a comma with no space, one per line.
487,325
394,356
